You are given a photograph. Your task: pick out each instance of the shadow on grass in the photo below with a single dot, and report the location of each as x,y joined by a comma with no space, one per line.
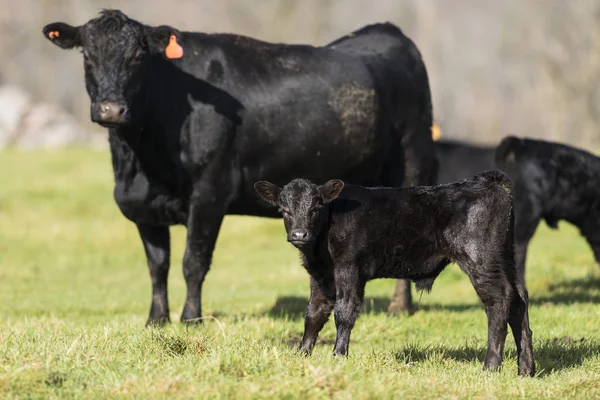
293,307
585,290
551,356
567,292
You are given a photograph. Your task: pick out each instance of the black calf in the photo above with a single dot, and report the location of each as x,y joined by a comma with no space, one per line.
552,182
369,233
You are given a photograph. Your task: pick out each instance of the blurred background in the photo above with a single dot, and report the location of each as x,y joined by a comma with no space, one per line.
523,67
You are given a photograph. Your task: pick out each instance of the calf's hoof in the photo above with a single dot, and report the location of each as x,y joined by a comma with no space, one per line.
340,354
303,351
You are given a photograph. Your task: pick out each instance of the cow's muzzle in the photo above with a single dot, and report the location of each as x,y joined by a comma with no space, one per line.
110,113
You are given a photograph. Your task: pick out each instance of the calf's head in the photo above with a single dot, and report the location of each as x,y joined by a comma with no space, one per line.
116,52
301,203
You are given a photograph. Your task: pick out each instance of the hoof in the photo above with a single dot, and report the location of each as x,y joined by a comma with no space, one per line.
340,355
492,367
303,352
397,308
191,321
158,321
527,371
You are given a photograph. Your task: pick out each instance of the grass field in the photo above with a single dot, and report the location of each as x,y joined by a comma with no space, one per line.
75,292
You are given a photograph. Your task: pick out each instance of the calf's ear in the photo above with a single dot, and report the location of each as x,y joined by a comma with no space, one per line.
63,35
331,189
164,40
268,192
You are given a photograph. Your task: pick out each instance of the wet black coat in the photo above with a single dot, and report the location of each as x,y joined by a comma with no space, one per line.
414,233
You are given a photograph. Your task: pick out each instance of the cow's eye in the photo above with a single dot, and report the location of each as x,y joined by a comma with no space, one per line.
314,212
285,213
137,57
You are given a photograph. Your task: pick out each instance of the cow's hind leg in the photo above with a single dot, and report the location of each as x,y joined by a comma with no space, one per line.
412,163
157,244
527,218
318,311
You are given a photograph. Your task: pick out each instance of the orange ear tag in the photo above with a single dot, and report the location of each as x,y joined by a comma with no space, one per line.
173,50
53,34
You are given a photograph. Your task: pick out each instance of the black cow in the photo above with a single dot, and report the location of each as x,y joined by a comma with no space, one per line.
552,182
195,119
460,160
369,233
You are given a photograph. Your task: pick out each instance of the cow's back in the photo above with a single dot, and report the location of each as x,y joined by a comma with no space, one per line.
459,160
392,57
559,180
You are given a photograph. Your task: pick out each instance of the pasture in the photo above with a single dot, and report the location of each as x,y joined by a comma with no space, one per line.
75,292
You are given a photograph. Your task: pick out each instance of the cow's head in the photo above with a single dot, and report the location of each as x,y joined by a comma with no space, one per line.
116,51
301,203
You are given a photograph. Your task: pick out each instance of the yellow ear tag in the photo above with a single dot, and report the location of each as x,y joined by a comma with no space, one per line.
436,132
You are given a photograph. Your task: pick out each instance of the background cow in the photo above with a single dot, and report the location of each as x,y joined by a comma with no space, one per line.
195,119
460,160
552,182
414,233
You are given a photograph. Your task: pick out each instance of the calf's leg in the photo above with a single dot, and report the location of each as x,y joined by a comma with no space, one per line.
350,293
518,319
318,311
157,245
494,290
595,246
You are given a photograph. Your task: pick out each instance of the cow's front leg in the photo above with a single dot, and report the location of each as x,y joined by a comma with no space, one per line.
157,245
204,222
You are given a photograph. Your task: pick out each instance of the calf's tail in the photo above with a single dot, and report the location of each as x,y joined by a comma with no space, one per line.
495,178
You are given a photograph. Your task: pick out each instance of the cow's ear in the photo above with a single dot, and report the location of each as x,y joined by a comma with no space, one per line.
268,192
63,35
330,190
165,40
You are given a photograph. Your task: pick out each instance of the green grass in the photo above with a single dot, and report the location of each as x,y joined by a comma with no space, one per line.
75,293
